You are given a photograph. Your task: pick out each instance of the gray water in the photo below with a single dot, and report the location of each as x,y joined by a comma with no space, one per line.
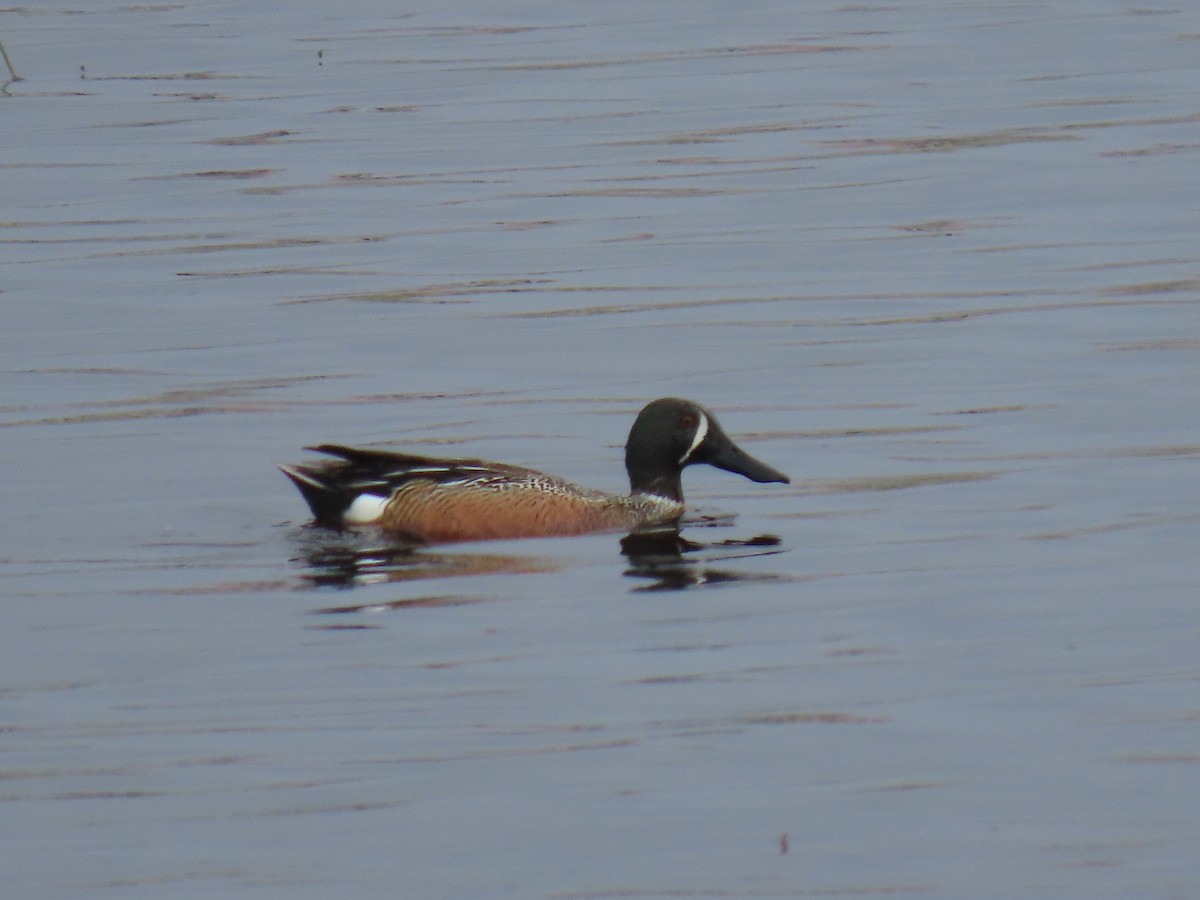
938,261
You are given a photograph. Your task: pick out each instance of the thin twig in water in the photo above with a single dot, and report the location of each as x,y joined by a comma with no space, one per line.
8,62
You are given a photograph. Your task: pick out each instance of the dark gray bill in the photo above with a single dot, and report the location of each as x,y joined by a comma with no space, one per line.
725,454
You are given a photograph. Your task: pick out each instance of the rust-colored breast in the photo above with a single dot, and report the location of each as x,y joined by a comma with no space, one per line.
500,508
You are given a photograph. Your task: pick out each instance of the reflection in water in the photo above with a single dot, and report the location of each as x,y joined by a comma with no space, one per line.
664,558
344,560
390,606
658,556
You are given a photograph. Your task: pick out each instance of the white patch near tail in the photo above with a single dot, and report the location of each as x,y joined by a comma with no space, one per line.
364,510
701,434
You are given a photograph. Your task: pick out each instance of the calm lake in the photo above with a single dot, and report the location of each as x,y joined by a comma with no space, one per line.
938,261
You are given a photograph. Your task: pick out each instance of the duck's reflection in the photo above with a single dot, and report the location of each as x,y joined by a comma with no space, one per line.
661,558
664,559
346,560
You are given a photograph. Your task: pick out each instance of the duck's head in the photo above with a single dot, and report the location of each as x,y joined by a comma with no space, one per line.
670,434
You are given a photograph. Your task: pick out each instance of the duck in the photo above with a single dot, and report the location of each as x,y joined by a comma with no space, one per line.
428,500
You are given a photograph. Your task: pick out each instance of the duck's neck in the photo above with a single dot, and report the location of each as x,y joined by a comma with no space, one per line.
659,484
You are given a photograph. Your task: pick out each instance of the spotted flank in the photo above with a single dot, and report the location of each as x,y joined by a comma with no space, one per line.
446,500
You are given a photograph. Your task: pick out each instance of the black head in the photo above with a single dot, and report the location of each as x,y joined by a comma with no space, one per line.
670,434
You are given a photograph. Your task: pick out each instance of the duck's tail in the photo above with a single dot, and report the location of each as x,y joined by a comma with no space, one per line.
324,497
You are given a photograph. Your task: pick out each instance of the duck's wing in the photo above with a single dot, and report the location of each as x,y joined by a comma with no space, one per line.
383,471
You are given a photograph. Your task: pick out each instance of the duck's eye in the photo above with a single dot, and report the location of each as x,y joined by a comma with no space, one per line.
688,421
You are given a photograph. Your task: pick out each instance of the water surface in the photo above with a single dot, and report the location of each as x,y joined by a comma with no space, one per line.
936,261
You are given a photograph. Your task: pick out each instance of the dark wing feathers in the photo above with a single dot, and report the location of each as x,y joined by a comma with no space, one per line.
379,469
365,456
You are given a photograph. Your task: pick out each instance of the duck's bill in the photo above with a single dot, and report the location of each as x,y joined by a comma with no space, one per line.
732,458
